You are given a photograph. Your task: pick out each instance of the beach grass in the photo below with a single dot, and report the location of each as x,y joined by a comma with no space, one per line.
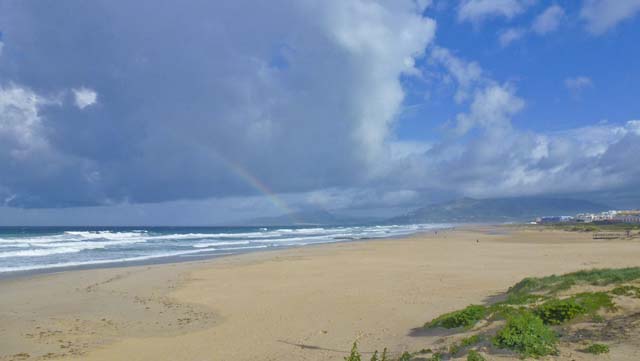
597,349
466,317
532,311
555,283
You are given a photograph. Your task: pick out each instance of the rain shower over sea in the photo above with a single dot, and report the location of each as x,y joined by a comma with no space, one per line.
55,248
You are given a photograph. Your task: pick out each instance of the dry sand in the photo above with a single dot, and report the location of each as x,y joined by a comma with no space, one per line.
299,304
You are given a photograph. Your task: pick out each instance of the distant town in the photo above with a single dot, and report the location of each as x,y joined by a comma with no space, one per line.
612,216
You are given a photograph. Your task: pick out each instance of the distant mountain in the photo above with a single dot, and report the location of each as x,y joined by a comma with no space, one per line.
309,218
498,210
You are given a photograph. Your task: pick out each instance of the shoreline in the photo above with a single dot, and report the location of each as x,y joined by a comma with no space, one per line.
305,303
204,256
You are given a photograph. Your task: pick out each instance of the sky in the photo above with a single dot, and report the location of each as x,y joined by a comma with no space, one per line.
200,112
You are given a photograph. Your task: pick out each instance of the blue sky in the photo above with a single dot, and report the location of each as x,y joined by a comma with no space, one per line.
208,113
538,65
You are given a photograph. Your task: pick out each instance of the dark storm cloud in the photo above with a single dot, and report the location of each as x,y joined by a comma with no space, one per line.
118,103
152,101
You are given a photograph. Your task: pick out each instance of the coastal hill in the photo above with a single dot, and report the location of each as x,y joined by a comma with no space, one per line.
498,209
460,210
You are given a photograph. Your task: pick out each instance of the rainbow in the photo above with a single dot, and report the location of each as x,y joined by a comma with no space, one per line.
241,172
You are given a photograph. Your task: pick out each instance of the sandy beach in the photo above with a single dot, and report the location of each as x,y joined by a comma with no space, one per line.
307,303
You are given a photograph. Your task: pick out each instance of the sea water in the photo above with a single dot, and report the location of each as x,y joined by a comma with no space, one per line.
54,248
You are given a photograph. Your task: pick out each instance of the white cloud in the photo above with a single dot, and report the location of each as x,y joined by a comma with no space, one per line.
510,35
20,120
502,160
549,20
84,97
492,109
465,73
602,15
477,10
498,159
384,42
634,126
576,84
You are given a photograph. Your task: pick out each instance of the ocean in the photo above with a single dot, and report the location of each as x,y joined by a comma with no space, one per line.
42,249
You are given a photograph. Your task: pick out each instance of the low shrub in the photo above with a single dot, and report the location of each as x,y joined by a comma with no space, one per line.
597,349
631,291
466,317
556,312
405,357
527,335
475,356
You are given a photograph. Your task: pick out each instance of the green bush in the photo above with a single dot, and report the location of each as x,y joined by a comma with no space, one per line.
597,349
556,312
466,317
475,356
405,356
527,335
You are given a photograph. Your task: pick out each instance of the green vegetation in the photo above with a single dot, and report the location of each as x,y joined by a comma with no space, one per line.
532,309
475,356
466,317
597,349
631,291
522,298
556,312
527,335
594,301
354,355
552,284
464,343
